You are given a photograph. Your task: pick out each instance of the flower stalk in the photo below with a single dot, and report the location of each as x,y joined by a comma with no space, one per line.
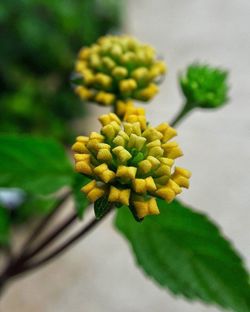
185,110
24,261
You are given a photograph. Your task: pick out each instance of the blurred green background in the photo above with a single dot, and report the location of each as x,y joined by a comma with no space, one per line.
39,43
40,40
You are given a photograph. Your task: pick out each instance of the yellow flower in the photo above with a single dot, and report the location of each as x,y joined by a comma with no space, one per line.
117,69
131,163
146,207
119,195
93,191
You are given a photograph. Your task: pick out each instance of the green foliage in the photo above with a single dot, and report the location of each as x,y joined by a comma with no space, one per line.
204,86
36,165
102,206
80,199
4,226
185,252
39,41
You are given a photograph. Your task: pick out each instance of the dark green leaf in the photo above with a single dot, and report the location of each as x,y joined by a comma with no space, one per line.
184,251
80,199
102,206
36,165
4,226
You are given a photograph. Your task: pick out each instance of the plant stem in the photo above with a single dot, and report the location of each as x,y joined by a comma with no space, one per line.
59,250
49,239
17,261
187,108
114,107
37,231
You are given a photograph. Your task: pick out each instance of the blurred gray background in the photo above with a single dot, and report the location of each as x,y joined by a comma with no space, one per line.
99,273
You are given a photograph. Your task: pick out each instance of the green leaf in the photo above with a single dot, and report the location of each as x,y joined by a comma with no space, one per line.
102,206
80,199
184,251
37,165
4,226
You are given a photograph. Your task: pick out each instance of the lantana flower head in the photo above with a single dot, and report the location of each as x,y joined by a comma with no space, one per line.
131,163
118,68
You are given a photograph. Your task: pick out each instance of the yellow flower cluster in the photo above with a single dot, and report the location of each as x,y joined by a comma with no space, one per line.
118,67
131,162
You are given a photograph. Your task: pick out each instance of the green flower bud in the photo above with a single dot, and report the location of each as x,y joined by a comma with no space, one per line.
205,86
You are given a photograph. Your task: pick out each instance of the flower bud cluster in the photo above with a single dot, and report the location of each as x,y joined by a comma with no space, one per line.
131,162
118,67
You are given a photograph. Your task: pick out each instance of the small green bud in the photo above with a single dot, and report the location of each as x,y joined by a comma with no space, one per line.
204,86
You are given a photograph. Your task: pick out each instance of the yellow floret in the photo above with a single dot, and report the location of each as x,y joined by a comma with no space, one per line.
116,50
96,136
104,173
120,139
123,106
126,173
108,118
111,130
167,131
156,151
82,138
143,185
147,93
128,58
136,118
122,154
92,191
169,191
84,93
166,193
136,141
132,110
95,60
144,208
181,176
144,166
154,161
119,196
105,98
80,66
132,128
103,80
163,170
157,69
79,147
140,74
127,85
108,62
120,72
151,134
172,150
104,155
84,53
83,164
88,76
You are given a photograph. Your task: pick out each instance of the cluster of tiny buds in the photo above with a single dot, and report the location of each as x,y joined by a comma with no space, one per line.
131,162
118,67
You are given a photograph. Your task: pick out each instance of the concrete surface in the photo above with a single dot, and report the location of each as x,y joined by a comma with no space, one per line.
99,275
